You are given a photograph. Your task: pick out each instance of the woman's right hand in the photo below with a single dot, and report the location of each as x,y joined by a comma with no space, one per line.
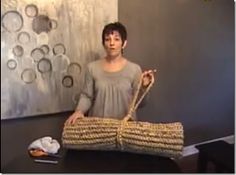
71,120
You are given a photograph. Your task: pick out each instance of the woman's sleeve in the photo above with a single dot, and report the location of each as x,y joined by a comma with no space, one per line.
138,73
87,93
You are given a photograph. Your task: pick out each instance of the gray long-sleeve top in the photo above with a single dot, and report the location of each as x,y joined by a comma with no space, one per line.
108,94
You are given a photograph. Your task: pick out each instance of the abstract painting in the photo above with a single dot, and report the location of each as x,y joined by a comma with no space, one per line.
45,47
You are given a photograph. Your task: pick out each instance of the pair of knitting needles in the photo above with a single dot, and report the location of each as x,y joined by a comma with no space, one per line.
39,153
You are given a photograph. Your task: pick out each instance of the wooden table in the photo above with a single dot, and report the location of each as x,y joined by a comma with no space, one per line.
74,161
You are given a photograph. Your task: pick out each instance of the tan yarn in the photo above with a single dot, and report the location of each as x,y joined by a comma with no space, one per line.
95,133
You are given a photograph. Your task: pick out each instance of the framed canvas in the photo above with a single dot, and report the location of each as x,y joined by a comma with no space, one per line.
45,46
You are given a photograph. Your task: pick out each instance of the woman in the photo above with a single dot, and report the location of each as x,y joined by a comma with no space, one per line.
110,82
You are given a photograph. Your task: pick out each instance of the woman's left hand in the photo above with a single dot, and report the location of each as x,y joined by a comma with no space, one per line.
148,77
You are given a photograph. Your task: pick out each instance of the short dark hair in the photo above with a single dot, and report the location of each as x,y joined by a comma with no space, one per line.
116,26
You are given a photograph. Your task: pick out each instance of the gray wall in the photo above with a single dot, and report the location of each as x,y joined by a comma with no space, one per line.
191,44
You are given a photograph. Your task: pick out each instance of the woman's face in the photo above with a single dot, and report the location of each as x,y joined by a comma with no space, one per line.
113,44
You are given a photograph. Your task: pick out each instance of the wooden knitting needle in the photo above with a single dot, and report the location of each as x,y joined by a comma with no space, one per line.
46,161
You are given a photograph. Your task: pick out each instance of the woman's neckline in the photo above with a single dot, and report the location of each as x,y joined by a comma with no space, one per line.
116,71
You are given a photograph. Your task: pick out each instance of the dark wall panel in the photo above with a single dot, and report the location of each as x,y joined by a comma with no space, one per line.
191,44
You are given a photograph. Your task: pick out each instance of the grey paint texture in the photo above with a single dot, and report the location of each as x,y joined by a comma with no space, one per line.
191,44
45,46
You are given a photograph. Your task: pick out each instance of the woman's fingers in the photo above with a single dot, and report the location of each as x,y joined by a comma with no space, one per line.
72,119
68,121
148,77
